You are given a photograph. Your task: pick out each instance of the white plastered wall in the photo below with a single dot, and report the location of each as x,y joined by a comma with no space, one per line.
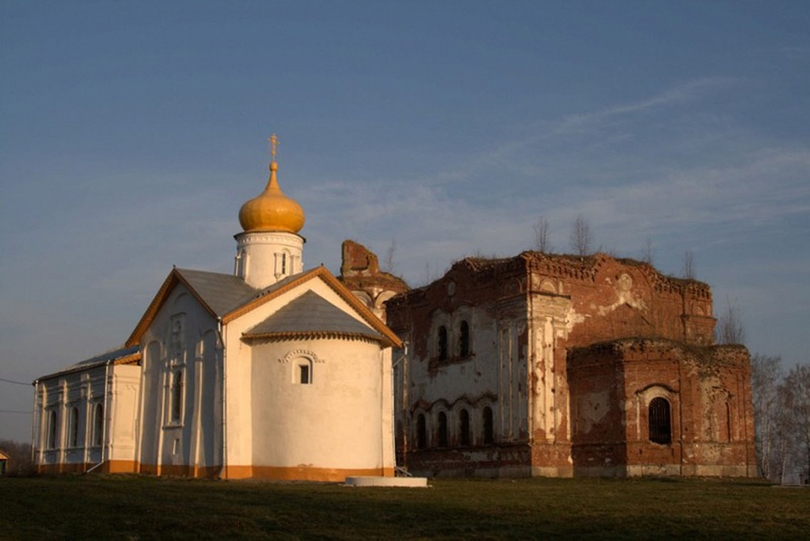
334,422
115,388
123,414
192,440
264,257
496,367
356,372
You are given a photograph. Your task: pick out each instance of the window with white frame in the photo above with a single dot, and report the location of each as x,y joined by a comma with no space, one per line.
98,424
464,339
283,261
177,397
302,371
73,427
50,439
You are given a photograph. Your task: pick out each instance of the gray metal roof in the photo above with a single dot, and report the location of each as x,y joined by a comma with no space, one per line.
98,360
223,293
312,314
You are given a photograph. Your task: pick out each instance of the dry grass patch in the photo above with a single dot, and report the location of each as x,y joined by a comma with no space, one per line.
135,507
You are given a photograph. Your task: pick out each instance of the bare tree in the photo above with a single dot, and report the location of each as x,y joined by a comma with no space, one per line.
19,454
785,437
647,252
782,419
796,388
688,271
388,260
430,274
730,329
581,236
765,376
541,235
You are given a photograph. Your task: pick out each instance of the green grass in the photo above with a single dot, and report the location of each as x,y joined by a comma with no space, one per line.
135,507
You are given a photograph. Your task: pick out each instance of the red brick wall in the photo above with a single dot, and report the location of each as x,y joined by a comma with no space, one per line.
709,395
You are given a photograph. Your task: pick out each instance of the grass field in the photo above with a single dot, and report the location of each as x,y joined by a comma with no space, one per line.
134,507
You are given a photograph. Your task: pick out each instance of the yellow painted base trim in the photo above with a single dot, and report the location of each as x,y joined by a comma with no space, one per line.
110,466
199,472
295,473
120,466
302,473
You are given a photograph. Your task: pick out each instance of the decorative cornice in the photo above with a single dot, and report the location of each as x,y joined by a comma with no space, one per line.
301,353
315,335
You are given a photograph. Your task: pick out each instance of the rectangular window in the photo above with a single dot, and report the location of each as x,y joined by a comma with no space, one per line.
303,371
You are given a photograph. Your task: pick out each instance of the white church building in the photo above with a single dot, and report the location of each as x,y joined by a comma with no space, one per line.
271,372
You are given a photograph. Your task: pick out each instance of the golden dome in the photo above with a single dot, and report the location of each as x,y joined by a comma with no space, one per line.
272,210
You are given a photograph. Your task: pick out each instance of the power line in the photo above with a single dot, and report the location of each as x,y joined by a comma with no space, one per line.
12,411
15,382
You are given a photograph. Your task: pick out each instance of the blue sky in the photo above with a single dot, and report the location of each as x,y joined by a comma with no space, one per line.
131,133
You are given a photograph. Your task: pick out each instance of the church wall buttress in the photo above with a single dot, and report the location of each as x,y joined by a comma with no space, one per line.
549,313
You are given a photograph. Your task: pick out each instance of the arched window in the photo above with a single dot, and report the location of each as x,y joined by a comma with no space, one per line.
73,428
421,432
177,397
283,262
464,339
50,443
442,343
302,371
660,422
98,424
489,432
304,374
464,438
442,429
241,260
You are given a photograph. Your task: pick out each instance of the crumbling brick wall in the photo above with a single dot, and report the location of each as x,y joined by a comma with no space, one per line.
527,313
360,272
612,385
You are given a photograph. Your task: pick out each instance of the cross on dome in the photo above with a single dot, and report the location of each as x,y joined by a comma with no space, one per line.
273,140
272,210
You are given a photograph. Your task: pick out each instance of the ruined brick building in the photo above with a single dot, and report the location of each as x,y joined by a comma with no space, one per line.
558,365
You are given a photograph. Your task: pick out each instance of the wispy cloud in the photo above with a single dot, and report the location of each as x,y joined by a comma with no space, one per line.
668,166
679,95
